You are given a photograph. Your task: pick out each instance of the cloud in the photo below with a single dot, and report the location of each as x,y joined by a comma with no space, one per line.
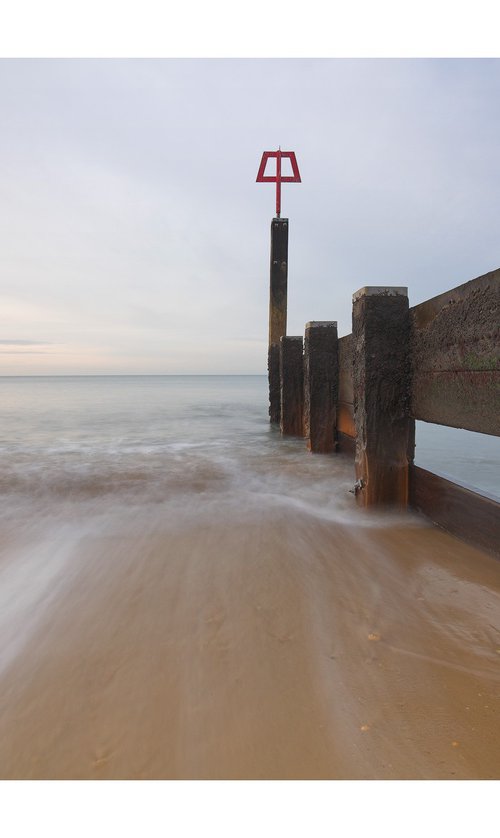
26,343
23,352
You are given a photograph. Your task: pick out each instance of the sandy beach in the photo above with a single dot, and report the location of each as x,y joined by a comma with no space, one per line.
282,646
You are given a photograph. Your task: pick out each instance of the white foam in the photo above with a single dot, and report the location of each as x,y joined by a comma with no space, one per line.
29,583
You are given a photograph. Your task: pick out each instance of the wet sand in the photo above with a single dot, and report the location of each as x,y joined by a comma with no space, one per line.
281,646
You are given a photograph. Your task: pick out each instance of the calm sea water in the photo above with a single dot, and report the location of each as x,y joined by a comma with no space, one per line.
146,437
465,457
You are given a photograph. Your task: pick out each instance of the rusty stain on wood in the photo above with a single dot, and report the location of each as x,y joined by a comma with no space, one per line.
345,406
345,419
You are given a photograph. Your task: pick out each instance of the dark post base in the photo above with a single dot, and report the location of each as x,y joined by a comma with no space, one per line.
273,372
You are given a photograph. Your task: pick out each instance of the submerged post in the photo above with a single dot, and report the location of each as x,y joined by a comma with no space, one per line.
292,386
321,373
381,371
277,310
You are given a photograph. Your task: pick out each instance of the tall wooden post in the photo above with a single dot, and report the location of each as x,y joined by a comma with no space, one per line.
277,310
321,373
292,386
381,379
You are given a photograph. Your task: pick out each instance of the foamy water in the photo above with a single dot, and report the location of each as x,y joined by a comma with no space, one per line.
96,455
140,440
103,456
147,437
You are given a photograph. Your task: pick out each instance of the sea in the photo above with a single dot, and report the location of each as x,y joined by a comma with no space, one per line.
85,451
141,439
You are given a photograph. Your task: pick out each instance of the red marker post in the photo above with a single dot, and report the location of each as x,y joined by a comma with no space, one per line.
278,178
279,275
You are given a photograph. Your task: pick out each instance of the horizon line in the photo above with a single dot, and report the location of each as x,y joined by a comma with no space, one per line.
135,375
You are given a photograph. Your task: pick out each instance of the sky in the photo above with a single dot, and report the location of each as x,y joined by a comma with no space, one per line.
133,235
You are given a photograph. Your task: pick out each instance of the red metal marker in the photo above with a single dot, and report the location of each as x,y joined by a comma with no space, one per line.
278,179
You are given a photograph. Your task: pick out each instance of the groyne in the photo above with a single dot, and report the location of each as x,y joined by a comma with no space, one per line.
437,362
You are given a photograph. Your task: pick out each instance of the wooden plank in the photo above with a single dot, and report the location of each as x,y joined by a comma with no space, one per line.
345,419
460,511
455,357
346,432
424,313
346,393
458,399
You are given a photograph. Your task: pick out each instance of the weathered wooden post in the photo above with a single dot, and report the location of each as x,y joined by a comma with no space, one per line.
381,380
279,274
292,386
277,310
321,373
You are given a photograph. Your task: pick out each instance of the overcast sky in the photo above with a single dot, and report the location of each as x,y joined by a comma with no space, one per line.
133,236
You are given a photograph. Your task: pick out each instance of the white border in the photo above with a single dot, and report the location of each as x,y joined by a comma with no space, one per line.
227,28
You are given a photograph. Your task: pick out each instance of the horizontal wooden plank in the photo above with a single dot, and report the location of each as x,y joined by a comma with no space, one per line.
455,357
460,511
345,419
346,433
476,300
459,399
459,330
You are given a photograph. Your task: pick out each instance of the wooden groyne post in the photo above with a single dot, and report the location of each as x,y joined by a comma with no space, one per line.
292,386
320,385
279,273
381,370
277,311
437,362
